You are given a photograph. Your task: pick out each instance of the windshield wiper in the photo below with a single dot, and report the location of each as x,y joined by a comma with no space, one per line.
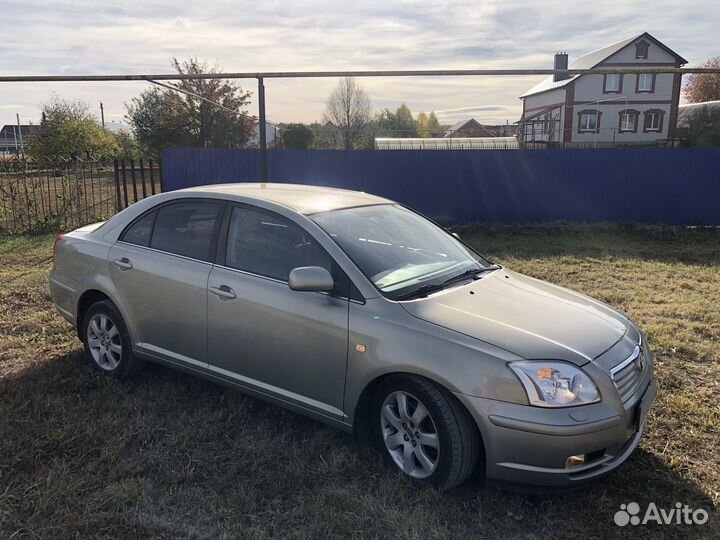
421,291
472,272
431,288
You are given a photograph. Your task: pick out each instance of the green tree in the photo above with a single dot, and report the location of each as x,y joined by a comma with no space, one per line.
69,131
704,86
297,136
397,124
406,124
129,147
201,112
158,120
428,126
703,126
422,121
325,136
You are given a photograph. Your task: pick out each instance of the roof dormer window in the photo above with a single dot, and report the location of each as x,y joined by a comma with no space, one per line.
641,49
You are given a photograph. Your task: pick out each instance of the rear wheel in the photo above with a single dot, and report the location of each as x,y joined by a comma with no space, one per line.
425,433
107,341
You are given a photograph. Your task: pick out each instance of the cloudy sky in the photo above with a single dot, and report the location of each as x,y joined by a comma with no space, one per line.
123,36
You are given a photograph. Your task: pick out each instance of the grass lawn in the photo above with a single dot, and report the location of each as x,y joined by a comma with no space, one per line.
167,455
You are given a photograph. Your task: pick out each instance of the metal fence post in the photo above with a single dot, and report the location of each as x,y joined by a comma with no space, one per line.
118,204
261,130
142,177
152,177
132,176
124,181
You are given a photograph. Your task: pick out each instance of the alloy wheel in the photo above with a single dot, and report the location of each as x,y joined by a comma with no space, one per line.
409,434
104,342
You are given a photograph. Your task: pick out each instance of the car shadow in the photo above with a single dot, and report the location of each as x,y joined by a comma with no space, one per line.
167,454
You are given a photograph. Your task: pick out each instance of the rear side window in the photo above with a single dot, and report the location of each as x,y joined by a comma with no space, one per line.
140,232
186,229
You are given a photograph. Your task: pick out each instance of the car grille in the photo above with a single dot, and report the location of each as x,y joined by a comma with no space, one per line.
628,374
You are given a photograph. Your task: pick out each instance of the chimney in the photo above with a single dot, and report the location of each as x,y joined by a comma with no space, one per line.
561,62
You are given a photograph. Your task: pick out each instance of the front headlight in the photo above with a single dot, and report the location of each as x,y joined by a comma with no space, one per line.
555,384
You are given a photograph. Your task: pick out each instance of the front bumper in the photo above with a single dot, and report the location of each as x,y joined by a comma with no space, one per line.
530,445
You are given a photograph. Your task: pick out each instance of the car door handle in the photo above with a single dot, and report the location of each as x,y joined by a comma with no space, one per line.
123,264
223,291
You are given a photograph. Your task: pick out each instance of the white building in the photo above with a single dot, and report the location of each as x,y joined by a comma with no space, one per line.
617,108
447,143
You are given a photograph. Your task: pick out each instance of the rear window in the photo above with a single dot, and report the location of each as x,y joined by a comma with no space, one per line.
186,229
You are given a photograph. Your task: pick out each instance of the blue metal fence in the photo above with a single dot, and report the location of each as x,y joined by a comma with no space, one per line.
653,185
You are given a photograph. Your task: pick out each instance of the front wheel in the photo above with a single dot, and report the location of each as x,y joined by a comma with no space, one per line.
425,432
107,341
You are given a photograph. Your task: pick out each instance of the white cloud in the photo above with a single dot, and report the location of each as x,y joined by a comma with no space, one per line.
84,37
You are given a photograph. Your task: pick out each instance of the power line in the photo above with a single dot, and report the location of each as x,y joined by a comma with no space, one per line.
203,98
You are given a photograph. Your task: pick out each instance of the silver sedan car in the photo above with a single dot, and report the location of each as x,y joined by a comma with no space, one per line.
361,313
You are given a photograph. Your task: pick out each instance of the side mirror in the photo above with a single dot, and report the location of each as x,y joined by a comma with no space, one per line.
310,278
456,235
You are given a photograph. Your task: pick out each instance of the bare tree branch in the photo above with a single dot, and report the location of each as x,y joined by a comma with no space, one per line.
348,109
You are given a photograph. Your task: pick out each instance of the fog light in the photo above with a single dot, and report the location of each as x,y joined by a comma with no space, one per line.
574,461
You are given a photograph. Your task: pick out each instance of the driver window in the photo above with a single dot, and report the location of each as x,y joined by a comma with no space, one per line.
269,245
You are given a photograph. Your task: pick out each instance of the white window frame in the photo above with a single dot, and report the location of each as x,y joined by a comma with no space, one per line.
617,77
647,78
632,119
649,122
588,128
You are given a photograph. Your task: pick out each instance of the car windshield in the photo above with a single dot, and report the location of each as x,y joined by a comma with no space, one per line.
398,250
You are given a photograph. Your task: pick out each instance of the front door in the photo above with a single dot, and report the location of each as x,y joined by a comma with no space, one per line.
286,344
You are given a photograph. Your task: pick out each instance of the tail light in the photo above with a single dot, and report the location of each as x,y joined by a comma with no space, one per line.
57,241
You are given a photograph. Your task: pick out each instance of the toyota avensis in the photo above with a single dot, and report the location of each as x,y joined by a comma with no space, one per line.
361,313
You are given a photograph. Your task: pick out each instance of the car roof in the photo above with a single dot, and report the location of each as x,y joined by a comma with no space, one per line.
305,199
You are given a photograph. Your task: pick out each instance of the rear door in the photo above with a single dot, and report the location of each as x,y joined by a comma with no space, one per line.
287,344
160,267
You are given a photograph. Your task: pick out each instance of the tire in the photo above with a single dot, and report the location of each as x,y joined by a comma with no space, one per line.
410,449
107,341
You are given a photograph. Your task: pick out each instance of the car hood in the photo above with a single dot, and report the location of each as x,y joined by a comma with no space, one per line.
526,316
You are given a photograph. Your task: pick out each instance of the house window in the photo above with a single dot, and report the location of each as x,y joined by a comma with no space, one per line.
646,82
588,122
628,121
641,49
612,83
653,120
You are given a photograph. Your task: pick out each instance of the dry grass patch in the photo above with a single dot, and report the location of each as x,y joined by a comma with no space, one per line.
170,456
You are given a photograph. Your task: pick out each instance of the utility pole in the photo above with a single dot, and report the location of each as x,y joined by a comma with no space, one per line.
102,115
